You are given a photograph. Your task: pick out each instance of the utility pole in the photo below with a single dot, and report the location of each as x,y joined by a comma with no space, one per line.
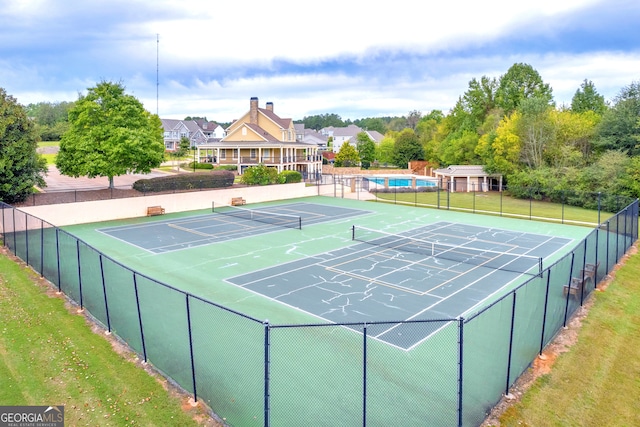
157,72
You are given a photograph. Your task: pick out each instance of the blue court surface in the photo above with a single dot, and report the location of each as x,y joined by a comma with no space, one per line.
385,280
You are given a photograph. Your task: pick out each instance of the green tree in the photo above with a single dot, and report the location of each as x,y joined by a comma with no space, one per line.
479,99
413,118
407,148
52,119
459,148
620,125
499,150
520,82
110,134
536,131
347,156
372,123
385,150
574,136
21,168
320,121
184,146
366,149
587,98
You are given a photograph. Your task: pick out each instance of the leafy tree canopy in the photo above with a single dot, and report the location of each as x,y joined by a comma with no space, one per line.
407,148
110,134
587,98
366,149
620,125
521,81
21,168
347,156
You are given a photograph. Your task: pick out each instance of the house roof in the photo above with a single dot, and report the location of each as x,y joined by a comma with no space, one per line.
463,170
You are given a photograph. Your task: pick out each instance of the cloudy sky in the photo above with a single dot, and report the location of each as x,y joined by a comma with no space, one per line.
355,58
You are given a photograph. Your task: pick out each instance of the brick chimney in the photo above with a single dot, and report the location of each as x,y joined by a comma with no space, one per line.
270,106
253,110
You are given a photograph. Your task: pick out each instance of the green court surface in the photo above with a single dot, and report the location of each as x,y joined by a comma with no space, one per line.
318,273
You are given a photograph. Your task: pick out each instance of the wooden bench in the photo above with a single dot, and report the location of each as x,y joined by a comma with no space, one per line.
238,201
155,210
586,277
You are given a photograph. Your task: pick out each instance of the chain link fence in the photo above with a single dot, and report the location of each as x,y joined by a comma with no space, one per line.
253,373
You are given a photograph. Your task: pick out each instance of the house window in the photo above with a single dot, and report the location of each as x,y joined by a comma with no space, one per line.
244,131
235,154
223,154
253,153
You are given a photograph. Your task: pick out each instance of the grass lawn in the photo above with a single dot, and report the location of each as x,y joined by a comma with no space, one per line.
494,202
597,382
49,355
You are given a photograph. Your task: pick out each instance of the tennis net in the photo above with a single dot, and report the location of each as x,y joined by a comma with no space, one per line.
278,219
525,264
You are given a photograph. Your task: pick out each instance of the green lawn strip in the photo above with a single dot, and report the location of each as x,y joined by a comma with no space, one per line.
48,144
51,357
596,383
493,202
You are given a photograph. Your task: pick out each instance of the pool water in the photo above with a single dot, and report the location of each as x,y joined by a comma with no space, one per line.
402,182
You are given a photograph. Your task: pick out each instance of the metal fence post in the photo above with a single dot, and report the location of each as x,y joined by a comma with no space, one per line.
513,320
460,368
193,364
364,374
135,288
79,273
566,304
267,362
104,292
58,258
544,314
41,248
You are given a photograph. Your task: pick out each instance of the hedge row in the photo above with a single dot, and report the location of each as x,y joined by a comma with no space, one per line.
198,180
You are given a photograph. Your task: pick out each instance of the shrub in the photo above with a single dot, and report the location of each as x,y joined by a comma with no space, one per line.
260,175
213,179
290,177
200,166
232,168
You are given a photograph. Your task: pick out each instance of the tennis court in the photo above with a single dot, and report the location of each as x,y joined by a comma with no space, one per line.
223,224
437,271
348,262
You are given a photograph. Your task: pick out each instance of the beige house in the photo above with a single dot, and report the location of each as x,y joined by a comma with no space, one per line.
261,136
467,178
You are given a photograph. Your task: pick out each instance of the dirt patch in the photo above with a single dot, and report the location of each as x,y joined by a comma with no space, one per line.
562,343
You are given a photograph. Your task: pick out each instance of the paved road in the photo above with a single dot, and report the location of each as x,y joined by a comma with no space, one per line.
57,182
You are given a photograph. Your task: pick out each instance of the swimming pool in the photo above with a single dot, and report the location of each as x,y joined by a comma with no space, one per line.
401,181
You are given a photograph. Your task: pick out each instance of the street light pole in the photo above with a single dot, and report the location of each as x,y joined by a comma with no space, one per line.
194,159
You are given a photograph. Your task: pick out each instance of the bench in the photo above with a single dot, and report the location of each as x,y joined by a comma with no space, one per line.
155,210
586,277
238,201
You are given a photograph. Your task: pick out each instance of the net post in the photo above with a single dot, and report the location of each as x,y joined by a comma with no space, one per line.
213,207
353,232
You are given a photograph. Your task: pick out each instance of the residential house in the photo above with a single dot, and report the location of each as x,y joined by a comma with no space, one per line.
311,136
175,130
348,134
212,130
261,136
